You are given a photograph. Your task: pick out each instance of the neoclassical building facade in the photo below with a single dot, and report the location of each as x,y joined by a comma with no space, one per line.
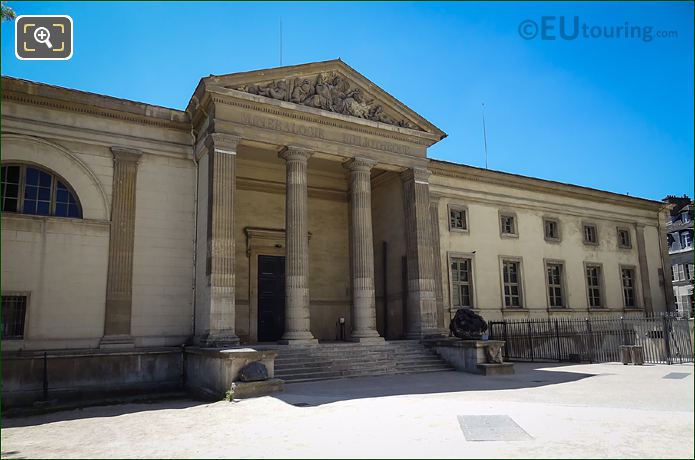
288,205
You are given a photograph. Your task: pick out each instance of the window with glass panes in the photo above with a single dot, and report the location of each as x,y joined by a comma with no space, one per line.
27,189
457,219
14,309
628,276
512,283
593,283
590,234
461,280
508,224
555,295
624,238
552,229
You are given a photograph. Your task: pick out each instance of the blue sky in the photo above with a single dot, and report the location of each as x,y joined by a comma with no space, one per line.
613,114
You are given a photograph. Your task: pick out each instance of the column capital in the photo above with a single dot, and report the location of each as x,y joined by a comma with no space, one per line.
359,164
293,153
126,154
222,143
418,175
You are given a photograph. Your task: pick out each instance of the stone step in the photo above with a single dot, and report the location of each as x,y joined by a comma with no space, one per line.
296,379
366,357
283,371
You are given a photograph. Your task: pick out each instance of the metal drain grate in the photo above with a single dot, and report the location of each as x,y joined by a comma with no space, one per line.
676,375
491,428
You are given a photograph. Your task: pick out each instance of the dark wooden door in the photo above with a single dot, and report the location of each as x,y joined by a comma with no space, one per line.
271,298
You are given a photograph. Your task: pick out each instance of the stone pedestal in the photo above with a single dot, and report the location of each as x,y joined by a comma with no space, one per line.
211,373
362,252
474,356
297,320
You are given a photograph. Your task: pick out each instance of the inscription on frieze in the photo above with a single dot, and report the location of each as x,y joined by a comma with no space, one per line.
315,132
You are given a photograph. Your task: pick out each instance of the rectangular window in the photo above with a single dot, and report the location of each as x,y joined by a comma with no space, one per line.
628,276
511,277
686,240
691,268
457,219
624,238
590,234
507,224
593,284
674,272
681,272
551,227
461,283
554,275
14,309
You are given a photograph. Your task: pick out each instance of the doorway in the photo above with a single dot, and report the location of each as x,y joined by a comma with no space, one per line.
271,298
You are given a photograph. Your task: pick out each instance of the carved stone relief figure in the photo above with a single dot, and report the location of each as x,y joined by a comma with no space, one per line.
328,91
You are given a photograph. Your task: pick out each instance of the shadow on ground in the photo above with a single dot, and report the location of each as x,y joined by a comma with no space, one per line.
528,375
95,411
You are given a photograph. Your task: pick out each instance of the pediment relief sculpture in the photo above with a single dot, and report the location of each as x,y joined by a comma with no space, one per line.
327,91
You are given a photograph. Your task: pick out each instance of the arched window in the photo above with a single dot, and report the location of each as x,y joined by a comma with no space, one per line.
28,189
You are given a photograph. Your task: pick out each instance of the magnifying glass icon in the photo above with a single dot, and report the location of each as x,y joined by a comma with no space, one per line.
42,35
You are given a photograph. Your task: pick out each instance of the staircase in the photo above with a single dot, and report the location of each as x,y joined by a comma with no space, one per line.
344,359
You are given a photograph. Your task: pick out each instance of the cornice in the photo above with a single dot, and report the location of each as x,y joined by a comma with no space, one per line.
446,169
77,107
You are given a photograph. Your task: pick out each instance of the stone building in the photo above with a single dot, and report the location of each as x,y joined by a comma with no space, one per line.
291,204
680,249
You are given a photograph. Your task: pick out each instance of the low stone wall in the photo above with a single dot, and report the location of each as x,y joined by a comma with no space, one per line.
88,374
210,373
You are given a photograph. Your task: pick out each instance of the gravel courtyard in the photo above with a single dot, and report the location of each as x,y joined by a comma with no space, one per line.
566,411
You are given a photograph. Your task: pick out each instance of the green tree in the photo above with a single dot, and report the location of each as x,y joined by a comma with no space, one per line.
7,13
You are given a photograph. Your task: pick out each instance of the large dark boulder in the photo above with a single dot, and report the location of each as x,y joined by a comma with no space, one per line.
253,372
467,325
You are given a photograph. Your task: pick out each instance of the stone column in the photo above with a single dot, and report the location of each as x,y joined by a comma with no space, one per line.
119,281
644,269
421,304
297,321
362,251
442,317
222,150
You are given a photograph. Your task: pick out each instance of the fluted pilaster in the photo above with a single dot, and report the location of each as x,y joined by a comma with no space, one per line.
362,251
421,303
119,281
220,236
437,265
297,315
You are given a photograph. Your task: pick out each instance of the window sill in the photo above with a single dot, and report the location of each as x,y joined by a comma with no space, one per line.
627,248
553,240
509,235
587,243
514,310
459,230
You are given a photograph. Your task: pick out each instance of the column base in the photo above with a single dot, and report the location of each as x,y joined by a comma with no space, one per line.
298,338
377,339
219,341
117,341
311,341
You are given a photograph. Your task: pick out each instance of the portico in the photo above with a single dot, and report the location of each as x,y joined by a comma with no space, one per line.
321,124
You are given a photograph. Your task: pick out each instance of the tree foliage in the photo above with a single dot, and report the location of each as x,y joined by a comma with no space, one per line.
8,13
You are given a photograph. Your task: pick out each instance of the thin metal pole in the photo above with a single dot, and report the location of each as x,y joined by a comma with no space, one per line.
589,341
557,337
530,338
484,134
45,376
667,345
386,291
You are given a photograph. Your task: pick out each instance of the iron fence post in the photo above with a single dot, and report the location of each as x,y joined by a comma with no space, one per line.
506,339
530,338
589,341
557,338
45,376
667,345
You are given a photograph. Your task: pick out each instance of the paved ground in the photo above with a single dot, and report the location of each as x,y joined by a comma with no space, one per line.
576,411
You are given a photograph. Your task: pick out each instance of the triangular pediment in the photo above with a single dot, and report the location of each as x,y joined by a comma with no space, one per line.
332,86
